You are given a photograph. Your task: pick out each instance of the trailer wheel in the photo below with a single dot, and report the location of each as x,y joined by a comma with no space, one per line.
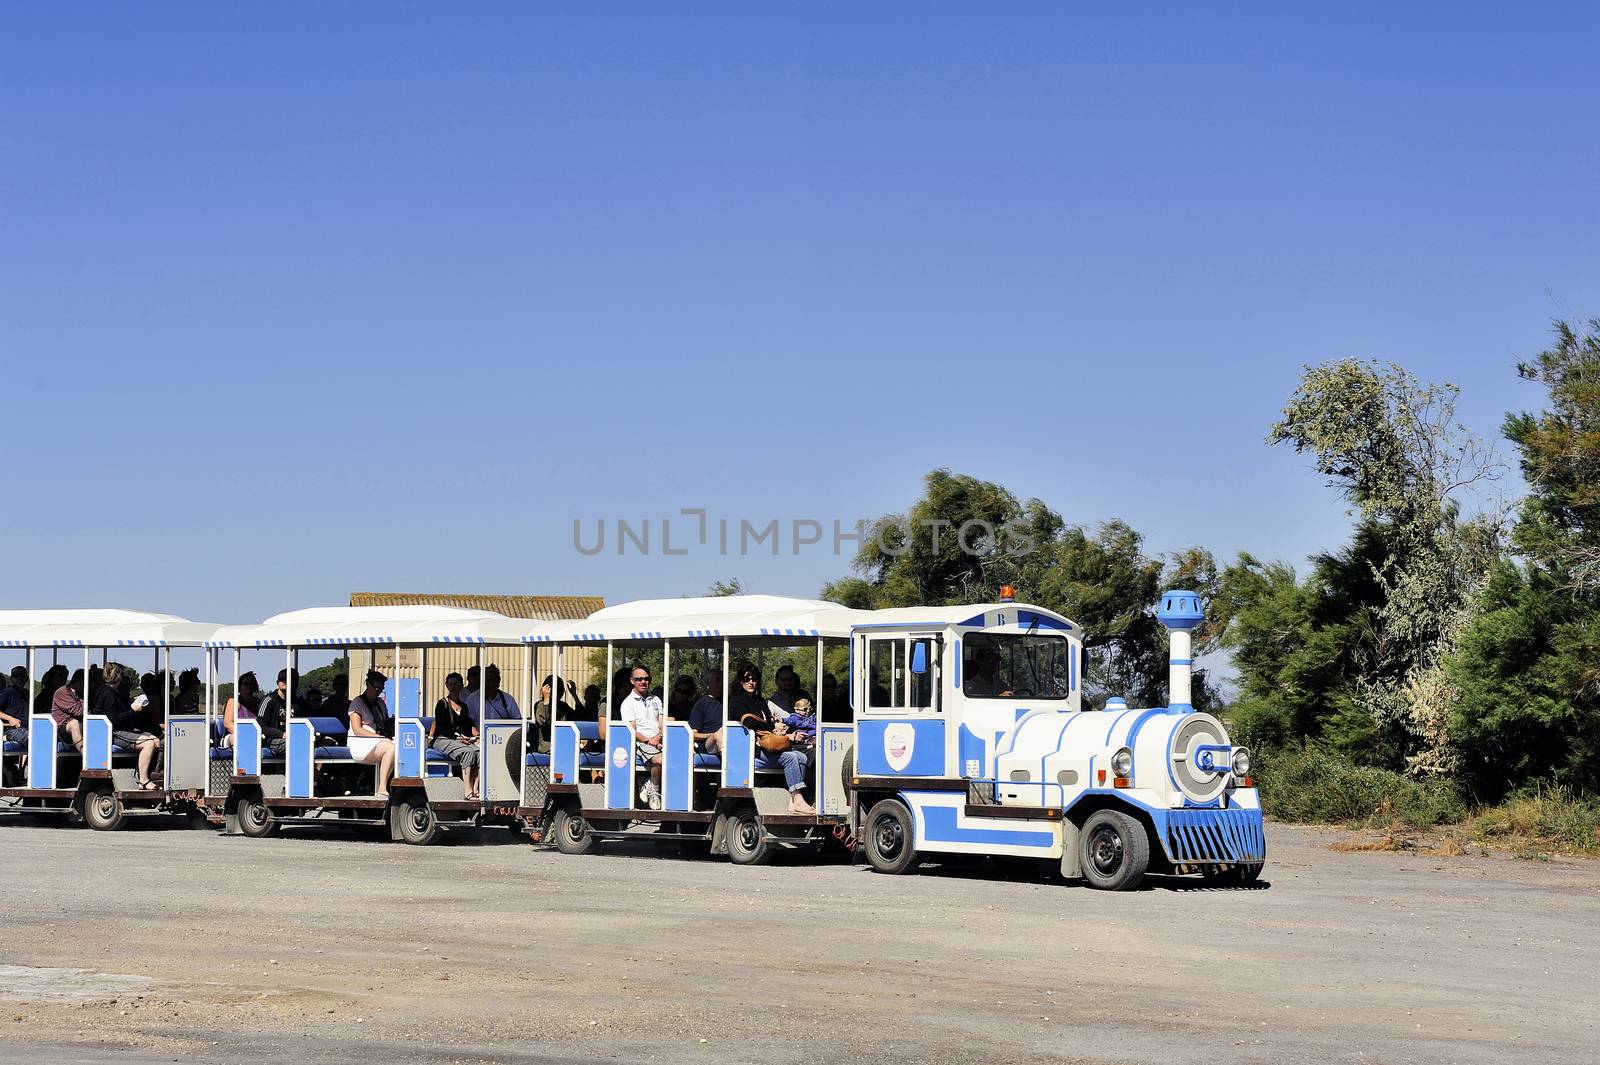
102,810
1113,851
747,840
571,832
419,826
889,836
255,818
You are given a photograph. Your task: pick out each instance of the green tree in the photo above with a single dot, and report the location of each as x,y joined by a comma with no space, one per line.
1528,669
965,538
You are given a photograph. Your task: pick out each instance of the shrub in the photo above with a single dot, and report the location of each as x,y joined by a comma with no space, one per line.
1312,784
1553,818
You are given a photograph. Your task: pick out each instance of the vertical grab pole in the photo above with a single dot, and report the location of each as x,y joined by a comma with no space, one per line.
727,670
483,733
605,711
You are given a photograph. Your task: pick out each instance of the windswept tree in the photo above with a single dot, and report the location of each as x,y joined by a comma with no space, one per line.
1392,447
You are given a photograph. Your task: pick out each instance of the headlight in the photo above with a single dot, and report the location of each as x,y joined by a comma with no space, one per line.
1122,763
1241,761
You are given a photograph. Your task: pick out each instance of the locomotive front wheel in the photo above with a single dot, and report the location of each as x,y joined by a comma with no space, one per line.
102,810
1235,875
1113,851
571,832
888,836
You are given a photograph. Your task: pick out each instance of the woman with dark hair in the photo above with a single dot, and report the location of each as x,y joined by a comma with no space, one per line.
136,730
748,708
66,707
189,692
241,705
542,714
455,736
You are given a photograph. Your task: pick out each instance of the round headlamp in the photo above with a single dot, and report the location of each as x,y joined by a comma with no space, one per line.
1241,761
1122,763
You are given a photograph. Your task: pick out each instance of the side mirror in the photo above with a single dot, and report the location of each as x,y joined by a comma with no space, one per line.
919,657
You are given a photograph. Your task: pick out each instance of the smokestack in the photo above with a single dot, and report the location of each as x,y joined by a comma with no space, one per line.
1180,611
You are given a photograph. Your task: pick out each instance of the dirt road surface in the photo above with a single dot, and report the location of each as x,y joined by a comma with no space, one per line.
145,946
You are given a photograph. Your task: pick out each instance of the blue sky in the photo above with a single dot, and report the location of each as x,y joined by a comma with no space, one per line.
313,298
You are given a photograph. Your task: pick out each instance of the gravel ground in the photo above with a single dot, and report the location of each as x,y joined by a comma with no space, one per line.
150,945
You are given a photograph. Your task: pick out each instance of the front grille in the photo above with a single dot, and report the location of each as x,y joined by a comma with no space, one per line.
1204,837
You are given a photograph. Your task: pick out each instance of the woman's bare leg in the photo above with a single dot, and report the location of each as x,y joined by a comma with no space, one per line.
385,767
147,754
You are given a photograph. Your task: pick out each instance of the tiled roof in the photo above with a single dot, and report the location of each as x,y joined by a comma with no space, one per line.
532,607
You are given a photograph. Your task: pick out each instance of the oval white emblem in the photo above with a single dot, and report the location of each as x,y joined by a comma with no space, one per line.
619,757
898,741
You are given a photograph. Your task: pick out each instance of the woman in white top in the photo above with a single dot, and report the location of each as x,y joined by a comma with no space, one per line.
372,731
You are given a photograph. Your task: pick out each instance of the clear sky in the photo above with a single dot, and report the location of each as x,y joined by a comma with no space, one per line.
310,298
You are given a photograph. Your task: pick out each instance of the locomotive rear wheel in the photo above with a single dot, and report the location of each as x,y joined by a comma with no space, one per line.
1113,851
888,836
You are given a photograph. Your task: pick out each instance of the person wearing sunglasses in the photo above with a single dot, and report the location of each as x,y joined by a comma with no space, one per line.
643,711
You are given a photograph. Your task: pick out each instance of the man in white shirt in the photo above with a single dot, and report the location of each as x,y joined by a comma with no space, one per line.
643,711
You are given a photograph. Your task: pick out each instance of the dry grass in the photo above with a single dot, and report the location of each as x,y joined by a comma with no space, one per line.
1546,822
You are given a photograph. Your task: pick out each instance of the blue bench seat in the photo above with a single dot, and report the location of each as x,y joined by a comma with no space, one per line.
707,761
331,754
15,748
535,758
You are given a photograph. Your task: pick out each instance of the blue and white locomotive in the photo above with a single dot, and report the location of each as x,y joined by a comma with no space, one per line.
980,745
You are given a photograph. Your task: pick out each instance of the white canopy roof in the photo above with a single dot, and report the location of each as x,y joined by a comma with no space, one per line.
100,628
704,618
350,626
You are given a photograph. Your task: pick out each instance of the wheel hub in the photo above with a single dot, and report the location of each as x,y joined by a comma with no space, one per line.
1105,850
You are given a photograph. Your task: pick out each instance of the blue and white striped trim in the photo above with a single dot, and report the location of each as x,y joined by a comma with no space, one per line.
459,639
644,636
15,643
217,643
704,632
66,643
271,643
790,632
575,637
141,643
345,641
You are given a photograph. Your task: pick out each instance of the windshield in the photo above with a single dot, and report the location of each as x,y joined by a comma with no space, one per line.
995,666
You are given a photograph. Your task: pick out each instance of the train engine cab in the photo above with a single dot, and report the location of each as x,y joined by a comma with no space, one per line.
971,739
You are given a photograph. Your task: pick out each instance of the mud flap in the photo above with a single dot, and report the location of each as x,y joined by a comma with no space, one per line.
719,834
1069,851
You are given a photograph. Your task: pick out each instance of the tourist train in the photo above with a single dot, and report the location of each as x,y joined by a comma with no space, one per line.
932,732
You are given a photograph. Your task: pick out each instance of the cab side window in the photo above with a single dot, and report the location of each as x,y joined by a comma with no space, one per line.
885,673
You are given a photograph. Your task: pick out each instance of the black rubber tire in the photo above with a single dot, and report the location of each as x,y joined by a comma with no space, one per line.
418,824
102,810
888,838
847,771
255,818
571,834
747,840
1113,851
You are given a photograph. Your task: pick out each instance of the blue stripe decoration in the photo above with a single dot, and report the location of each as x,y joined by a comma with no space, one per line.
302,740
247,746
619,777
939,825
42,765
677,769
410,747
96,742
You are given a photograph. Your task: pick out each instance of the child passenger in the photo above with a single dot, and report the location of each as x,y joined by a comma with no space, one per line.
802,724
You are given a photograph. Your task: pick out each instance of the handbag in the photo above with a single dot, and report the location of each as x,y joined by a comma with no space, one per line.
772,743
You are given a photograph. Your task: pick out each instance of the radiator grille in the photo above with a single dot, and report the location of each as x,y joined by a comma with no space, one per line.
1200,837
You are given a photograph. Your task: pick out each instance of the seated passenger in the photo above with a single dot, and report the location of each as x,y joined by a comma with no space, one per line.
371,736
454,736
53,679
66,707
589,709
835,707
705,716
498,705
136,730
788,689
643,711
240,706
273,714
800,726
14,708
682,699
755,714
152,689
190,692
542,715
334,704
